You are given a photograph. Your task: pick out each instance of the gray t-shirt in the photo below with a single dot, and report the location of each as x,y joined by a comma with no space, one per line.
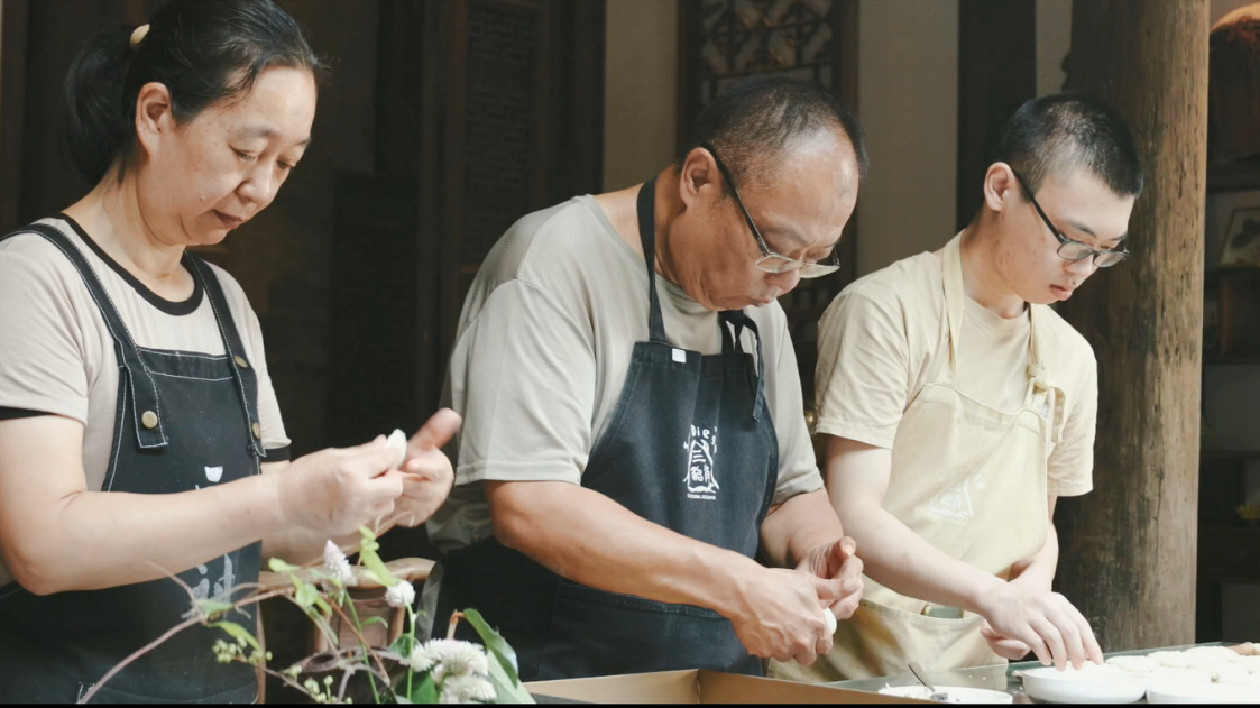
57,356
543,347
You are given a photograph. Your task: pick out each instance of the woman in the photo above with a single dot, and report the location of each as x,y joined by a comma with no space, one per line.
136,412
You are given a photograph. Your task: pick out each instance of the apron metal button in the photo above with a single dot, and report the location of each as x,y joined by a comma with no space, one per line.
256,430
149,419
240,361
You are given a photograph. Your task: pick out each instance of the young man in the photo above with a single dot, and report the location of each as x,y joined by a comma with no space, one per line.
958,407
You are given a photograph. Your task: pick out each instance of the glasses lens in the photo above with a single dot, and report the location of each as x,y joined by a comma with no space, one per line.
1106,259
1074,250
777,264
816,270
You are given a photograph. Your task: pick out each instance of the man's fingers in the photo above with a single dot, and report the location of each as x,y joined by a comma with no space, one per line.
371,458
436,432
1049,634
853,569
1093,652
844,608
828,590
1010,649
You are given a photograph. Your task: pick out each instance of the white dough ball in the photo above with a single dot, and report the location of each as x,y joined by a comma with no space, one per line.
397,442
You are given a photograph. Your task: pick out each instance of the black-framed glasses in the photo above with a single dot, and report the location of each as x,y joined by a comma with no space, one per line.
770,261
1071,249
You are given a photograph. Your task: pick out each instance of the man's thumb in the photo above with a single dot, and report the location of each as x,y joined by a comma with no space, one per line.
829,590
437,431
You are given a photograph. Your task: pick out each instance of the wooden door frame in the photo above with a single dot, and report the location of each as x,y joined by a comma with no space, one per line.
14,19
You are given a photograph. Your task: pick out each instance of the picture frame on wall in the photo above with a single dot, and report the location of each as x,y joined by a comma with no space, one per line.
1240,245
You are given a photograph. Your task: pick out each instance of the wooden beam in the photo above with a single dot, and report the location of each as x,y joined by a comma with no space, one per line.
997,71
1128,548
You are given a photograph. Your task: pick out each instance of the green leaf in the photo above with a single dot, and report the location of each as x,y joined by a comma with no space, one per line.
308,597
279,566
425,691
506,689
507,683
209,608
375,620
239,633
402,645
495,643
372,561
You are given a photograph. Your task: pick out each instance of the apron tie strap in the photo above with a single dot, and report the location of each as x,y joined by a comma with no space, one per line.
738,320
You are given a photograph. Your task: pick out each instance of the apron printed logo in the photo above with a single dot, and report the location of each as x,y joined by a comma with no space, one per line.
214,474
701,449
954,504
222,587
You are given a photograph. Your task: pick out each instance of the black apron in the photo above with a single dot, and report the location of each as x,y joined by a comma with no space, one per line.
690,447
184,420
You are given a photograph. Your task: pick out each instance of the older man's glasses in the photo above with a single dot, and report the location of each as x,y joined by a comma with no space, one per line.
770,261
1070,249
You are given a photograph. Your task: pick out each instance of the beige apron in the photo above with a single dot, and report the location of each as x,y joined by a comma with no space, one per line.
971,480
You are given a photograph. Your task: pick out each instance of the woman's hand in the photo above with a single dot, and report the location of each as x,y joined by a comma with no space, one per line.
335,491
427,473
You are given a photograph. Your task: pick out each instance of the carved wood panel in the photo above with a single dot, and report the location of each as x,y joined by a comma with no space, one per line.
724,41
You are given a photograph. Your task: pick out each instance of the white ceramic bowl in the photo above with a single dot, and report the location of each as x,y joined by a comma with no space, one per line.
1093,684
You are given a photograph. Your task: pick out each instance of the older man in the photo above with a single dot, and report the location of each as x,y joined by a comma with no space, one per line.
958,407
633,430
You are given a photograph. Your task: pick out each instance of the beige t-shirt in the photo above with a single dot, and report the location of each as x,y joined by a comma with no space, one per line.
884,337
56,355
543,347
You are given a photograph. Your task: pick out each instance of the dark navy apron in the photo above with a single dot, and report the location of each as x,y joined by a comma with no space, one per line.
689,446
184,420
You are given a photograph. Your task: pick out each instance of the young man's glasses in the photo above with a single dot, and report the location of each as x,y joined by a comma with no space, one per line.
770,261
1070,249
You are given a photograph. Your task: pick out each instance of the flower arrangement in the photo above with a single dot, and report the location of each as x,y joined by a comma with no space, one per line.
407,671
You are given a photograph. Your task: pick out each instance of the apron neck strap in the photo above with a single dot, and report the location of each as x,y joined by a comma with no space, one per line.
646,207
739,320
955,301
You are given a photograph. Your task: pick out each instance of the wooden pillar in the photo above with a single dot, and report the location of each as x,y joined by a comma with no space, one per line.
1128,548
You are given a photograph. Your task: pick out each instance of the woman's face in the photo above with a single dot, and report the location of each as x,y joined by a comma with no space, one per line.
200,179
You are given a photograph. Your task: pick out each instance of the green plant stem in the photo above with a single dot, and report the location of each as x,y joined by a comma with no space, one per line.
367,650
200,619
411,645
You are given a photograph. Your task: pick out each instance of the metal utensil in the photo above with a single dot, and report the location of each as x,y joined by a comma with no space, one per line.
919,673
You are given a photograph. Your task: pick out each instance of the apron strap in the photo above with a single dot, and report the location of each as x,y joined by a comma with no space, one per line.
645,205
242,369
951,274
645,208
134,375
738,320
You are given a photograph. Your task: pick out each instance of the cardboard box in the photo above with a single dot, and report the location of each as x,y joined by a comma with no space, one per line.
699,686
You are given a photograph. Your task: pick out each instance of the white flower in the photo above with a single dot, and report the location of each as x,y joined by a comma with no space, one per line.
337,565
420,659
402,594
451,657
466,688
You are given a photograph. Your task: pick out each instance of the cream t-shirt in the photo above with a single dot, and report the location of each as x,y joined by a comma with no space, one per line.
57,357
884,337
543,347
